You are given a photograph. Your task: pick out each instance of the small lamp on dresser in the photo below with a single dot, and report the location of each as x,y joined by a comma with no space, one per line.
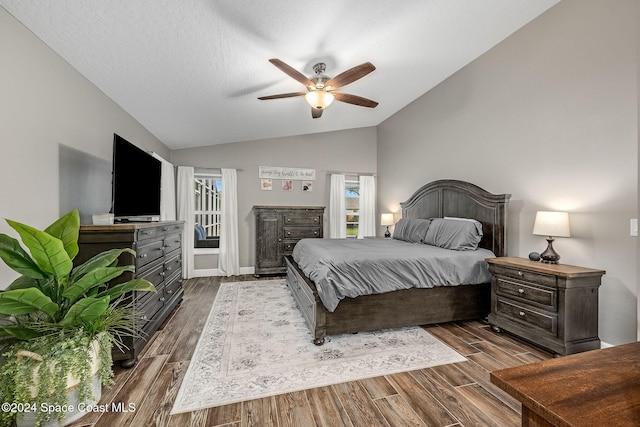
387,219
551,224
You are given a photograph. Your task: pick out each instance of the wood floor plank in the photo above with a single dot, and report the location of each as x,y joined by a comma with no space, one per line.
156,407
294,410
451,399
497,410
398,412
428,408
326,408
190,419
452,341
133,392
260,413
378,387
358,406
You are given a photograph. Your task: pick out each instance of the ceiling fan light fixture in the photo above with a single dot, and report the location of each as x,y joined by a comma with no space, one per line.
319,99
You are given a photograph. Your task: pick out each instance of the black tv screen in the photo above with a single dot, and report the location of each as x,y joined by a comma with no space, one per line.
136,182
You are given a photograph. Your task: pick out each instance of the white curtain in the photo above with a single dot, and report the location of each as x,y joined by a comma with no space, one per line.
337,208
367,221
167,191
228,260
185,206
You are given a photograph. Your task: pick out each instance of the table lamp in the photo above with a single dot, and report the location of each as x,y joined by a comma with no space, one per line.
551,224
387,219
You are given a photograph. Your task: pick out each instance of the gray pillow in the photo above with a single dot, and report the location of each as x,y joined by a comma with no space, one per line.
411,230
459,234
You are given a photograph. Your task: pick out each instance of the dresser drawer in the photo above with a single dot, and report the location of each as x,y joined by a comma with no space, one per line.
521,313
302,219
154,273
148,308
525,275
300,232
172,286
303,296
172,265
545,297
148,251
172,243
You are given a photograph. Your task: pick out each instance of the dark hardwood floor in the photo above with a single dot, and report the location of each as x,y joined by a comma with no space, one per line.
458,394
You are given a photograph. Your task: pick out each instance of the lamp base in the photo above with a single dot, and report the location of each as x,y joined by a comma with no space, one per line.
387,233
549,256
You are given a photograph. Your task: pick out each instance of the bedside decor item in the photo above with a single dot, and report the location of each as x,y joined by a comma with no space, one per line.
551,224
386,219
534,256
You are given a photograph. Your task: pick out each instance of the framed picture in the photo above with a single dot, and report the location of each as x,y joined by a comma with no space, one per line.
307,186
287,185
266,184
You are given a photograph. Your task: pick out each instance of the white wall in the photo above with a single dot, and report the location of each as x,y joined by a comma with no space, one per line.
550,116
51,115
348,151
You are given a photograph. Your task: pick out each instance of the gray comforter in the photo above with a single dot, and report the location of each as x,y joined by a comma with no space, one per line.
352,267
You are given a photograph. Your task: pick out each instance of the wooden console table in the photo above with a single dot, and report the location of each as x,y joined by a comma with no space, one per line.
595,388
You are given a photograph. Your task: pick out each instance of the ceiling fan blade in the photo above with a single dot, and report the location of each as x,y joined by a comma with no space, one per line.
316,113
291,72
283,95
354,99
350,76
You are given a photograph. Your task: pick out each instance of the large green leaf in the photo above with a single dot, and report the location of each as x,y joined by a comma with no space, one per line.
21,332
92,279
24,282
18,259
24,301
103,259
47,250
132,285
67,229
85,311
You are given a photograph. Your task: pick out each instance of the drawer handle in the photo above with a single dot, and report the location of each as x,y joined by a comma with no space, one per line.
169,291
162,299
520,273
521,291
162,273
315,233
143,255
143,317
315,219
288,233
168,268
288,219
522,313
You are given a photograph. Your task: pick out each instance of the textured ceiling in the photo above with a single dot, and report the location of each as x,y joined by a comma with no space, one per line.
190,71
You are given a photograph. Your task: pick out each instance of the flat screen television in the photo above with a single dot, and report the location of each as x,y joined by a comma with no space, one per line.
135,183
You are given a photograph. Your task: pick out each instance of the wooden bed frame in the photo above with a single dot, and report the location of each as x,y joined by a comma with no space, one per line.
415,306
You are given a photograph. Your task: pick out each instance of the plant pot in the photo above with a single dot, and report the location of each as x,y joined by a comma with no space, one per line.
77,408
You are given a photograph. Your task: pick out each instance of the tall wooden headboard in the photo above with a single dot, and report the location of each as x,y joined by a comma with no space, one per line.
462,199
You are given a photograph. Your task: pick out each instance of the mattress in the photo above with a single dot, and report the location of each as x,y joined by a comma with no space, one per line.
342,268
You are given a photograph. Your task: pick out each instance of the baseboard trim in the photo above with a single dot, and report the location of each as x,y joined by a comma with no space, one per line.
216,272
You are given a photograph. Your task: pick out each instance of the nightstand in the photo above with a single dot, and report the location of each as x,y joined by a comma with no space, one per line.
552,305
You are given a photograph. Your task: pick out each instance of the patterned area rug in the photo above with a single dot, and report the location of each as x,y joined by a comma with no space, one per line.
256,344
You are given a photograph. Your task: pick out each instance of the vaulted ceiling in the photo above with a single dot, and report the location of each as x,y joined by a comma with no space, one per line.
191,71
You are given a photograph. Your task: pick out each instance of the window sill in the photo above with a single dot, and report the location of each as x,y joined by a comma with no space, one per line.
206,251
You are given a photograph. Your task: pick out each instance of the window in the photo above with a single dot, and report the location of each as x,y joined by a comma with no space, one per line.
352,205
207,210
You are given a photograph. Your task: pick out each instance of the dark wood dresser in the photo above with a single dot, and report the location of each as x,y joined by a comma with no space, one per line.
278,229
158,259
552,305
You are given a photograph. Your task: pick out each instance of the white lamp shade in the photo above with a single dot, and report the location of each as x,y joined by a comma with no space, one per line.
319,99
386,219
554,224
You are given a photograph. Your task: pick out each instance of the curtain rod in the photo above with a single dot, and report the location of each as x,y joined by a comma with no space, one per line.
352,173
196,168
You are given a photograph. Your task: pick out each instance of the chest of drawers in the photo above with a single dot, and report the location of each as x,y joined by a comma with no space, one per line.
552,305
158,259
278,229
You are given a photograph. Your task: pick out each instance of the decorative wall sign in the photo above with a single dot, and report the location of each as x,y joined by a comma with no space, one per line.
277,172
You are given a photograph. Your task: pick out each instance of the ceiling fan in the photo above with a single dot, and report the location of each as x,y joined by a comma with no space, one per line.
320,91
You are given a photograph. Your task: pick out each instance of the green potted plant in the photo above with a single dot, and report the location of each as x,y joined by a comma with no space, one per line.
58,323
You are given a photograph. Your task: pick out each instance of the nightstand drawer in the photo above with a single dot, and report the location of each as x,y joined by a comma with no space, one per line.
526,275
545,297
520,313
